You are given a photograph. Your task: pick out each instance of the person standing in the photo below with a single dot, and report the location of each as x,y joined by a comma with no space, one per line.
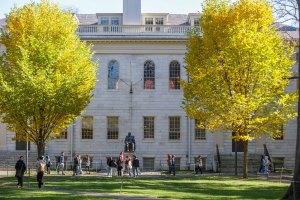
109,167
61,163
79,164
20,170
169,163
173,165
129,166
76,165
199,164
40,169
119,167
87,164
135,166
48,163
262,164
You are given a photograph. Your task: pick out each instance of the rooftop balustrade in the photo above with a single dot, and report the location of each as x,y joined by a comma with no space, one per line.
136,30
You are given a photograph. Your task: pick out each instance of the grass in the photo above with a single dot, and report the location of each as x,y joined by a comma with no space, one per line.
200,187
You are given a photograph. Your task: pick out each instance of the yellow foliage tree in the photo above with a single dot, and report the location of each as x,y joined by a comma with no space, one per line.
239,68
46,74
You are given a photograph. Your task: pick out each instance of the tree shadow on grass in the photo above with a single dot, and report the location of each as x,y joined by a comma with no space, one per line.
165,187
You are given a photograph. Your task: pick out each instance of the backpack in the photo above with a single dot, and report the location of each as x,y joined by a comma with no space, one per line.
58,159
114,164
41,167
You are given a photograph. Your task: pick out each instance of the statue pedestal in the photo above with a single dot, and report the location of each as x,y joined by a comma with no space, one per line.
129,154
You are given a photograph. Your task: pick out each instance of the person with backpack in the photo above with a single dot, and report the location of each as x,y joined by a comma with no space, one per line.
113,164
61,163
40,169
48,163
20,170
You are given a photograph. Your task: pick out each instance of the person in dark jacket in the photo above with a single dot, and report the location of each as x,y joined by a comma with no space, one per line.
135,166
20,170
119,167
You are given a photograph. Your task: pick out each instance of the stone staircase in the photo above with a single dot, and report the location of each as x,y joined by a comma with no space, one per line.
228,163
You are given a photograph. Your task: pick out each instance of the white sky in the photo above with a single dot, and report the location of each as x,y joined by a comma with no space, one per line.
113,6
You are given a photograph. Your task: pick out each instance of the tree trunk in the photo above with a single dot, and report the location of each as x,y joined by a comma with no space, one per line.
40,148
245,169
293,191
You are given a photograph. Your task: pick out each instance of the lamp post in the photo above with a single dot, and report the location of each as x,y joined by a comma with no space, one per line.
27,149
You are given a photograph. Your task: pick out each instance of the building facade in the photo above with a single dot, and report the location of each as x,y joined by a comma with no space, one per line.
141,62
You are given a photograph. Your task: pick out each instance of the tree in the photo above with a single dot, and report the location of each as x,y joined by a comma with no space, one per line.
46,74
288,10
238,70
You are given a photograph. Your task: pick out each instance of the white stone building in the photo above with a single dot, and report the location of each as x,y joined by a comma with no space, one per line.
141,59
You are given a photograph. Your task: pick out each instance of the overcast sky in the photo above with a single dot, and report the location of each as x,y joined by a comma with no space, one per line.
113,6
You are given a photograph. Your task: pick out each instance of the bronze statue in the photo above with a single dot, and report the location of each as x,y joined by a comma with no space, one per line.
129,143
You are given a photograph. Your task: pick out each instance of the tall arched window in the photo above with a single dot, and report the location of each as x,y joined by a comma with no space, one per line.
113,75
174,75
149,75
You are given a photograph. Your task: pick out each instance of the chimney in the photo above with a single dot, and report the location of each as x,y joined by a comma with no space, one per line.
131,12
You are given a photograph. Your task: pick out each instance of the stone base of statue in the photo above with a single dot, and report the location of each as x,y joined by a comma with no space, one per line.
129,154
129,147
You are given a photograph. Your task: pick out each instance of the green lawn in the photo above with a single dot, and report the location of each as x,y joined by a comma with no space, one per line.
212,187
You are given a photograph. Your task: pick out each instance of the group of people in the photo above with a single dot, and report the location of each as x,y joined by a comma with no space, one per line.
265,165
40,170
77,164
171,164
123,165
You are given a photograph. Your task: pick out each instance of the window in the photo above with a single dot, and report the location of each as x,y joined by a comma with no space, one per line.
149,21
115,21
113,75
112,128
174,75
148,163
159,21
148,127
196,22
200,133
63,134
104,20
21,145
149,75
87,127
174,128
279,134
